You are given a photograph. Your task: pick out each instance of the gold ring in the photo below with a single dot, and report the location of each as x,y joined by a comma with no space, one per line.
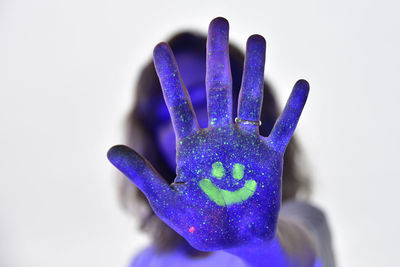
237,120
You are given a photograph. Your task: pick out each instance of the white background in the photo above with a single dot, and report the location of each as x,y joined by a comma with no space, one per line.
67,72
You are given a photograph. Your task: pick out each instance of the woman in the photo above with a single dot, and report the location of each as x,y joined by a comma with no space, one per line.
225,199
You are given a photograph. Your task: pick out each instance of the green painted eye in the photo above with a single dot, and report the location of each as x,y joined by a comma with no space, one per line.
218,170
238,171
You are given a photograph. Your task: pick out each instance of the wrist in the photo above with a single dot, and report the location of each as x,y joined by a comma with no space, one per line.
290,246
262,253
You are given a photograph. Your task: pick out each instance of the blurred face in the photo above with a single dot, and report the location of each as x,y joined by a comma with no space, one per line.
192,68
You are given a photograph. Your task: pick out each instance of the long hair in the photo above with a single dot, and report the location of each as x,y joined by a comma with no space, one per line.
142,138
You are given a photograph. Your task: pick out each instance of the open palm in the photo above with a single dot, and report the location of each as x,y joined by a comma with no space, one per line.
228,186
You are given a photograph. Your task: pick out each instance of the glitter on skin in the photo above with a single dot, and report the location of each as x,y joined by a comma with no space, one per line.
199,196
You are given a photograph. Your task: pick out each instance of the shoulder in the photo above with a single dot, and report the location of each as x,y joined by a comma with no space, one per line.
311,215
314,219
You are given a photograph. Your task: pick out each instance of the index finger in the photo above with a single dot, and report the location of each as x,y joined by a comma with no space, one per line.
145,177
175,94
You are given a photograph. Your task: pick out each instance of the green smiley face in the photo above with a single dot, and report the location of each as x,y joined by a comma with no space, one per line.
224,197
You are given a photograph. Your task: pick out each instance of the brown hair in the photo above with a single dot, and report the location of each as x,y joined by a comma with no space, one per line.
141,137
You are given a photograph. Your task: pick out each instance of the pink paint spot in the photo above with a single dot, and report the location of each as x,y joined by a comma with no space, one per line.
191,229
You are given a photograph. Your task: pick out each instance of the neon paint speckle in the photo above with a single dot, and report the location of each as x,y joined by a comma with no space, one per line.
191,229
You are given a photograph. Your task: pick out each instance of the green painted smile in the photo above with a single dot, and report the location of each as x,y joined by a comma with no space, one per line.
225,197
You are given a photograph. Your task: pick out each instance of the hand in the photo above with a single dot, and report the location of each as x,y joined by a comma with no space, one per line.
227,192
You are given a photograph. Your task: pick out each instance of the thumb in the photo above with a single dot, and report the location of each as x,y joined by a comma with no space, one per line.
144,176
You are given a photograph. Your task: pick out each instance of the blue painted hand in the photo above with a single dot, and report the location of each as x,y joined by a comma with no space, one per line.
227,191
